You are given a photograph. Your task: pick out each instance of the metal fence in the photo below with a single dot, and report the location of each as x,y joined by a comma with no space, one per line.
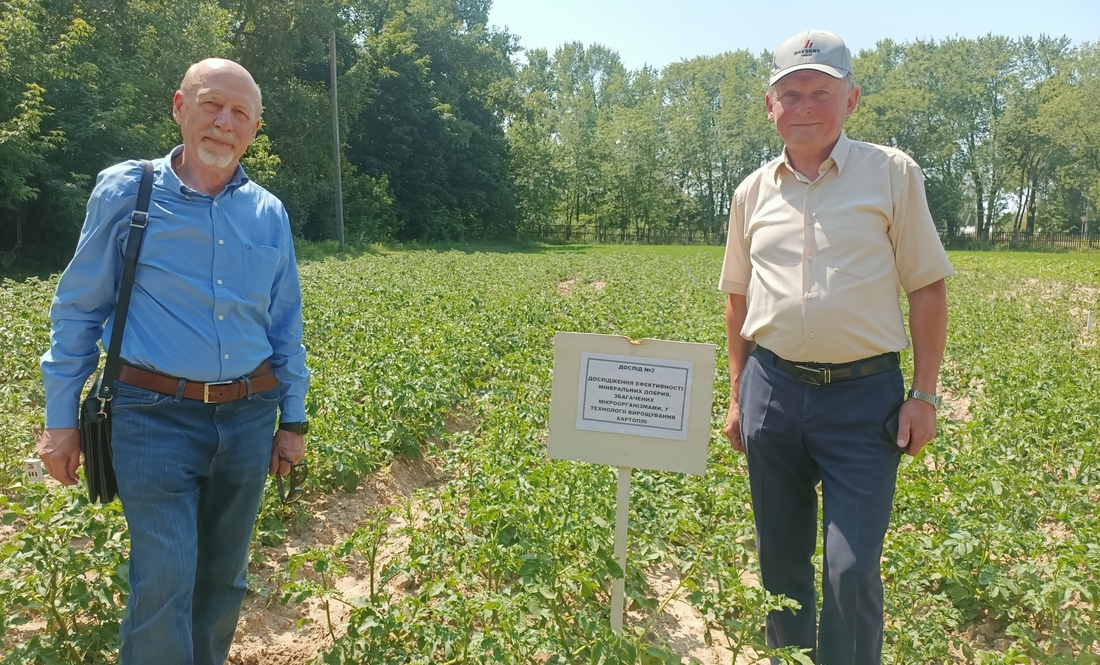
1020,240
618,236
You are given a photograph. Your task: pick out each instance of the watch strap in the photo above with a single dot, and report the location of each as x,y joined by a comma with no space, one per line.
298,427
934,400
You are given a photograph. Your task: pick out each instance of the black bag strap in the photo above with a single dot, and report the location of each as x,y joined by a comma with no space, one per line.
139,219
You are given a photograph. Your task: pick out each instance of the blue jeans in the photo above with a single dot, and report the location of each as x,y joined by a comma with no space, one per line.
797,435
190,477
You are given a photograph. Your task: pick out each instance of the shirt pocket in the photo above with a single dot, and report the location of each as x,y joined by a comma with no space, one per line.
857,243
866,219
258,266
854,270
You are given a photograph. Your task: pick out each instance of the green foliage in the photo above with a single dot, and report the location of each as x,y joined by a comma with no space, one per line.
444,137
990,558
1000,127
24,335
423,88
995,123
65,567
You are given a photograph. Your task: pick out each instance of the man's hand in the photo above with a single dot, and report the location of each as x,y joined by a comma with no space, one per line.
59,450
285,446
916,425
738,349
732,430
928,325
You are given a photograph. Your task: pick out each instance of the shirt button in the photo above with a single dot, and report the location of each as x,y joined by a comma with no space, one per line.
187,197
219,281
227,355
220,241
221,318
811,187
811,335
810,258
810,296
215,204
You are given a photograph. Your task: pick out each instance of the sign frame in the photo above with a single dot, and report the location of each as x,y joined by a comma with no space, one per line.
637,451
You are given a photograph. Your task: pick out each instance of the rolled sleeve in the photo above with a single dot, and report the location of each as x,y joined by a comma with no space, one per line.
736,267
288,357
918,252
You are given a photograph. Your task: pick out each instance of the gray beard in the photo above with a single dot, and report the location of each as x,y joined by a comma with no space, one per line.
214,159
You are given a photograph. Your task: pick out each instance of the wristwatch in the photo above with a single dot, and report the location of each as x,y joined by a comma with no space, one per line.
298,428
934,400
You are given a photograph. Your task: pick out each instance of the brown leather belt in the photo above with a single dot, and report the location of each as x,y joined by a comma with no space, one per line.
212,393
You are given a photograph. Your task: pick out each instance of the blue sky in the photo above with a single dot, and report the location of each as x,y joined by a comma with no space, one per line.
657,33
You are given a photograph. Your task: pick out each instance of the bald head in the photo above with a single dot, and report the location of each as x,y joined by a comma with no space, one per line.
207,73
218,108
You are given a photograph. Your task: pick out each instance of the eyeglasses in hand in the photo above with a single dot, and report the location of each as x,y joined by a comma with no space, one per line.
299,471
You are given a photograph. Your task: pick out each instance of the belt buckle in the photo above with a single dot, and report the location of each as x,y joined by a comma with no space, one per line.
812,375
206,389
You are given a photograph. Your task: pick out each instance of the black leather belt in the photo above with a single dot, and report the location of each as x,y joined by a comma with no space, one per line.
819,374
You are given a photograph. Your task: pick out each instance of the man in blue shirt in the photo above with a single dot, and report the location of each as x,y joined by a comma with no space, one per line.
215,321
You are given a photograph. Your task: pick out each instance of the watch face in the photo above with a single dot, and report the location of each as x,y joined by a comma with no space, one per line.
297,428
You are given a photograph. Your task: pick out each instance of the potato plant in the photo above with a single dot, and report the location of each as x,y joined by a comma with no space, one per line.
992,556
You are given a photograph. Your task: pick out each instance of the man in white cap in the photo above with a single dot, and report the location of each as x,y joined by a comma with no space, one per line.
821,241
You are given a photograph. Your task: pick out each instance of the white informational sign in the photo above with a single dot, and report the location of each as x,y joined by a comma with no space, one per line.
630,395
644,404
633,405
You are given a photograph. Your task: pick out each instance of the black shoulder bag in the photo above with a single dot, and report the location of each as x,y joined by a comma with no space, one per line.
95,410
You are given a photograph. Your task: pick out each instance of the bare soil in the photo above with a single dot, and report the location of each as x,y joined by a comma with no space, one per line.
568,287
273,634
681,626
956,407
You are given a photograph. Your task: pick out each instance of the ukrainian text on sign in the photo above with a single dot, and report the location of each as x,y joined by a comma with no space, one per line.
634,395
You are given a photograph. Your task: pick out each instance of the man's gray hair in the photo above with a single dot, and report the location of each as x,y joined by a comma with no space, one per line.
849,85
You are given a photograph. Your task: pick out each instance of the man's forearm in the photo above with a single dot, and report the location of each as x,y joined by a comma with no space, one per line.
738,347
928,327
66,366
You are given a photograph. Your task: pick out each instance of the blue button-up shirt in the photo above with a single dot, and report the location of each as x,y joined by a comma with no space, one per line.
216,290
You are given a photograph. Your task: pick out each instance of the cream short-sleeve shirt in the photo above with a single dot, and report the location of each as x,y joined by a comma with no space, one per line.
822,263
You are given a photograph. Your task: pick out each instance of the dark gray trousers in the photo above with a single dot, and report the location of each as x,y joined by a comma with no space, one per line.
797,435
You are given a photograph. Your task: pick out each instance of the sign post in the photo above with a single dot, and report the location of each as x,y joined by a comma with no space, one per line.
630,404
622,519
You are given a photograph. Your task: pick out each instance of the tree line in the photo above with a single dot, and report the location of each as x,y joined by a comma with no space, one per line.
1005,130
451,131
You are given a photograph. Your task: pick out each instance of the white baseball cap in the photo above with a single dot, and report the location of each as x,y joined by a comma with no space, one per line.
813,49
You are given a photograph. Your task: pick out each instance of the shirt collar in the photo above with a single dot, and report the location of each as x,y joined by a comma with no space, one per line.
172,182
839,156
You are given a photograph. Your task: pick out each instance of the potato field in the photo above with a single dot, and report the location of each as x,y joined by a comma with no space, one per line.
505,557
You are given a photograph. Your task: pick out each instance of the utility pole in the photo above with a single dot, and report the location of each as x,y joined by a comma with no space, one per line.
336,144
